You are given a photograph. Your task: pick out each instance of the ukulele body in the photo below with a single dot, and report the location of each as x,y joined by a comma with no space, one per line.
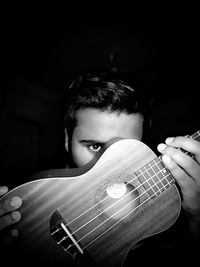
105,208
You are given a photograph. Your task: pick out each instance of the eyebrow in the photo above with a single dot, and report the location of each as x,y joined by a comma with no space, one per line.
92,141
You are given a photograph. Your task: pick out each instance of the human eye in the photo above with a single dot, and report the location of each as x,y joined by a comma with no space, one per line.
95,147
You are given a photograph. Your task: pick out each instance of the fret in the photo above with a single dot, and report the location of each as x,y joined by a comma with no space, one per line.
154,180
154,177
157,177
149,180
164,176
159,173
145,183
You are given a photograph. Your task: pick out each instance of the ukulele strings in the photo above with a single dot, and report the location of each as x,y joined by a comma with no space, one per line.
135,189
162,171
146,171
117,213
194,136
108,229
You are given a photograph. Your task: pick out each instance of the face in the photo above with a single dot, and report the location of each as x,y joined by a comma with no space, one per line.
94,128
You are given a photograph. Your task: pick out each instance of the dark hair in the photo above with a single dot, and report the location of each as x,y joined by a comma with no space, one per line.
107,91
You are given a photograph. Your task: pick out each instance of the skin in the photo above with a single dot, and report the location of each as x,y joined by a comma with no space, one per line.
94,128
187,174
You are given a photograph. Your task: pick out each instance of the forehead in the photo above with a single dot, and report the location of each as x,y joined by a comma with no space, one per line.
100,125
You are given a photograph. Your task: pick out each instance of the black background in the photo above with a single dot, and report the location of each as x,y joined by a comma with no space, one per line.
42,50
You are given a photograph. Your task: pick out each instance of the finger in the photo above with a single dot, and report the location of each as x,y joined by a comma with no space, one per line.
189,189
187,185
9,238
188,144
3,190
9,219
177,172
190,166
10,205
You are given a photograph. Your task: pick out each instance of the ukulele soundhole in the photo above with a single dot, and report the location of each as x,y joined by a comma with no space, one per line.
120,200
117,200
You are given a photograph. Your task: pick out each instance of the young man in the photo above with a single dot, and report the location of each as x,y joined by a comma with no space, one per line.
101,107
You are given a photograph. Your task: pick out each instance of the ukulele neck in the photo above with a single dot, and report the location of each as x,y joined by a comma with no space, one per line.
155,177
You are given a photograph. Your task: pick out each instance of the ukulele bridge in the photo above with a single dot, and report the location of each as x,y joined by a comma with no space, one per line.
65,239
61,234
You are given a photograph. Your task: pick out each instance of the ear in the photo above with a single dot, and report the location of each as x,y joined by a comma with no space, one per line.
66,141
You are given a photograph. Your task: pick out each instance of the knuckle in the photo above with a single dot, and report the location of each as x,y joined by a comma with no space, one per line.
10,205
9,219
5,206
16,216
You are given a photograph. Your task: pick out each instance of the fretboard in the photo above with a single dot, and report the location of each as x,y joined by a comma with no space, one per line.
155,177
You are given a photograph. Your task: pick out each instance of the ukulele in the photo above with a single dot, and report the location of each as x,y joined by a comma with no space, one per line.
93,215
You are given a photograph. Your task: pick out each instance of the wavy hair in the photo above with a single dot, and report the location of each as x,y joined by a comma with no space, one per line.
107,91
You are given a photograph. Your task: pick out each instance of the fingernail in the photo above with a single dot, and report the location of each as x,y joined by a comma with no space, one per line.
169,140
3,190
161,147
15,201
16,215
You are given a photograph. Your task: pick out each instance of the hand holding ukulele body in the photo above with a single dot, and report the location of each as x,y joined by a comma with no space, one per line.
9,215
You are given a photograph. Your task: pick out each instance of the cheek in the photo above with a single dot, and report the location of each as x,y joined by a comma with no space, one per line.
80,155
